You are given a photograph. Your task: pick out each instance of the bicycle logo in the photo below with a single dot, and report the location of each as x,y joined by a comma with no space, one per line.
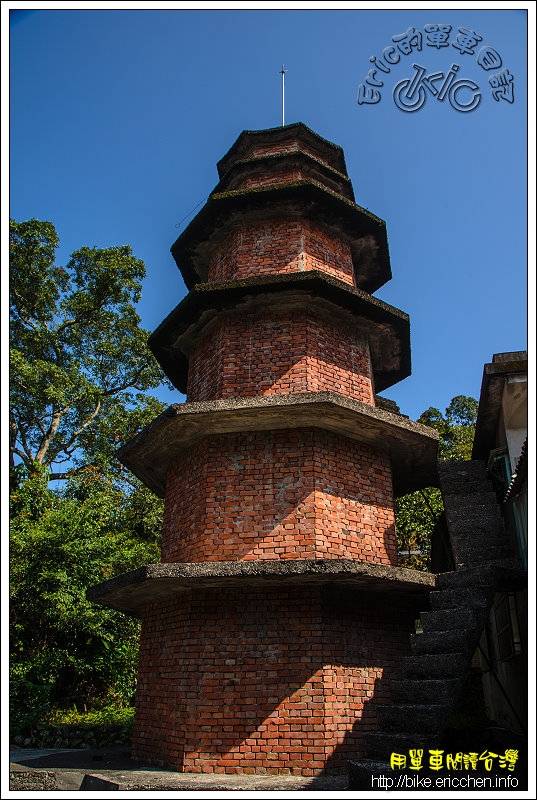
410,95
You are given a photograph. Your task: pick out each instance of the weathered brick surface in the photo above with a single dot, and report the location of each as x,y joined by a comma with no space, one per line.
279,246
268,352
275,177
302,493
278,148
265,680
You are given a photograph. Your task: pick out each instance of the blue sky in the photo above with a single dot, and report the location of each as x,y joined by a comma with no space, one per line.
118,117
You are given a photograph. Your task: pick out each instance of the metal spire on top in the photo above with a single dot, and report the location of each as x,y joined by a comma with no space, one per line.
282,72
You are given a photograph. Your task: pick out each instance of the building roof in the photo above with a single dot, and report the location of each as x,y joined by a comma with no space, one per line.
495,374
330,153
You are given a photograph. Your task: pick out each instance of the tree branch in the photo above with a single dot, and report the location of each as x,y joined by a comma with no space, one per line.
19,433
21,454
83,427
62,476
49,436
131,384
434,514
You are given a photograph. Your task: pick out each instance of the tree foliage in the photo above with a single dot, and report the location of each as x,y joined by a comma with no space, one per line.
456,427
79,361
65,650
80,370
418,513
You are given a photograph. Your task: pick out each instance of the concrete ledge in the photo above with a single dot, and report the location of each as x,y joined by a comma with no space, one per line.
493,382
77,770
330,153
132,590
412,447
208,782
31,780
387,329
365,232
265,165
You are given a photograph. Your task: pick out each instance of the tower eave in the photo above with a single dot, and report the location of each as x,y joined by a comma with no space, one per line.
329,152
386,328
413,448
268,165
131,591
223,212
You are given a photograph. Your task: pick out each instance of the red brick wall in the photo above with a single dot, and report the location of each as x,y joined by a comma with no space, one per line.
279,352
280,246
281,176
273,678
301,493
290,146
310,172
266,681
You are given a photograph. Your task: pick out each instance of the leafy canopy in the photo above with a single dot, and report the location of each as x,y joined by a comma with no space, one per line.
80,370
418,513
64,649
456,427
79,359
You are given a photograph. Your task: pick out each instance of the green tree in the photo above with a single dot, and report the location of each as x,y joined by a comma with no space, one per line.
63,649
456,427
80,370
418,513
80,366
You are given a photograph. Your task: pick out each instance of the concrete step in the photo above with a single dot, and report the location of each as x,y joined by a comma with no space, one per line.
478,548
489,574
458,477
449,641
465,558
482,575
369,775
450,619
412,718
478,534
482,493
422,691
482,526
477,599
435,666
456,489
487,510
379,745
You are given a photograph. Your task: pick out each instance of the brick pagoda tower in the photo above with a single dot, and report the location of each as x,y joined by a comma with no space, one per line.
278,616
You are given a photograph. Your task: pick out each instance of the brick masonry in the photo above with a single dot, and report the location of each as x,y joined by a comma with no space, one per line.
289,146
266,681
275,178
279,352
263,678
278,246
302,493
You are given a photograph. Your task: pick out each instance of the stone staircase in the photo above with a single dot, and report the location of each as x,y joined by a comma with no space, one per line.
433,676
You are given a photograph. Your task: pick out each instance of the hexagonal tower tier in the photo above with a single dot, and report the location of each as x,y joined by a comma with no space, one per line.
278,616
